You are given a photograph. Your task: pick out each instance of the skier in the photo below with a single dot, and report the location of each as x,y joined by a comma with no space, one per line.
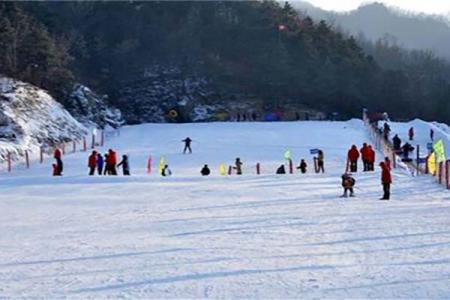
348,182
238,166
166,171
281,170
407,148
187,145
352,157
125,165
320,161
364,156
205,171
92,163
432,134
302,166
397,142
111,162
100,164
411,133
386,181
57,155
370,159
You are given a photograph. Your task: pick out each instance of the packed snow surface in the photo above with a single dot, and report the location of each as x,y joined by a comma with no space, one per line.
251,236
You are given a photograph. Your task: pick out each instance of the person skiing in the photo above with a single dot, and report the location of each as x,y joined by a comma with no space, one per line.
205,171
370,159
320,161
238,166
397,143
281,170
302,166
59,163
125,165
187,145
100,163
348,182
166,171
407,148
411,133
364,156
431,134
353,156
386,181
111,162
92,163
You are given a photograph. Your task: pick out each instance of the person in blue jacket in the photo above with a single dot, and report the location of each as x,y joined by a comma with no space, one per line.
100,164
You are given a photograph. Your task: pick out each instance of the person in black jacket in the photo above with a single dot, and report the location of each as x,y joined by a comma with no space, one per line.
125,165
281,170
187,145
302,166
397,143
205,170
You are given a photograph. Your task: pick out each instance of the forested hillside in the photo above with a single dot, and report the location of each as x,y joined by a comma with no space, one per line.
261,53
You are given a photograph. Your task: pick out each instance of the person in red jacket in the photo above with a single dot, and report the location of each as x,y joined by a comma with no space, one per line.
370,159
112,162
364,156
57,155
92,163
411,133
386,181
353,155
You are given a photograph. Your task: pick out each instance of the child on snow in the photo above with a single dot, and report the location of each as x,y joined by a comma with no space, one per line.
55,170
166,171
302,166
281,170
205,171
348,182
238,166
125,165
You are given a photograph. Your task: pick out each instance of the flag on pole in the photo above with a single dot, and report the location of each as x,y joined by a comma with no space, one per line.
287,155
432,164
222,170
439,150
162,163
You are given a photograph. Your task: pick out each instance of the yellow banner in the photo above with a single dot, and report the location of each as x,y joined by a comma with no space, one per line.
432,164
439,149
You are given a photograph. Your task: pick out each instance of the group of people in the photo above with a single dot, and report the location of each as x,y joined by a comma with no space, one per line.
107,164
367,155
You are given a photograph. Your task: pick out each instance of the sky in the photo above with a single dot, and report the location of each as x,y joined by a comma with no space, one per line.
441,7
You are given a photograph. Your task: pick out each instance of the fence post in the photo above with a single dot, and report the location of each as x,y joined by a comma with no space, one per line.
93,141
74,147
84,144
41,155
9,162
441,166
258,169
149,164
230,169
394,160
102,138
27,159
418,159
291,167
447,173
63,147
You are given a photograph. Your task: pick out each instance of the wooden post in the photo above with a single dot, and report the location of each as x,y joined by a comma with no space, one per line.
84,144
102,138
93,141
291,167
418,159
441,166
74,147
149,164
41,155
447,174
27,159
230,170
9,162
258,169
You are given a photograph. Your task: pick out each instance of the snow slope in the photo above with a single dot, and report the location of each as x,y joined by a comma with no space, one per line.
253,236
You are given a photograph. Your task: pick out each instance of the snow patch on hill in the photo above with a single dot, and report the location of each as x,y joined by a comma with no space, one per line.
31,118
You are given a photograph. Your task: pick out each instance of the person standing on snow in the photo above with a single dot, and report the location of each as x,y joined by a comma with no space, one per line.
281,170
187,145
370,159
353,156
386,181
92,163
364,156
205,171
302,166
411,134
105,161
348,182
58,156
125,165
100,164
320,162
111,162
386,131
238,166
397,143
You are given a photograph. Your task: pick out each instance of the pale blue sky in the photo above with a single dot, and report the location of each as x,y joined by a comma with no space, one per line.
425,6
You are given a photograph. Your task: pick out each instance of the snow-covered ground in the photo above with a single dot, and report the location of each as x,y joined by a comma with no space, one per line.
223,236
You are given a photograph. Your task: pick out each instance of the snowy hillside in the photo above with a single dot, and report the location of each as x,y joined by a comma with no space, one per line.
187,236
30,117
